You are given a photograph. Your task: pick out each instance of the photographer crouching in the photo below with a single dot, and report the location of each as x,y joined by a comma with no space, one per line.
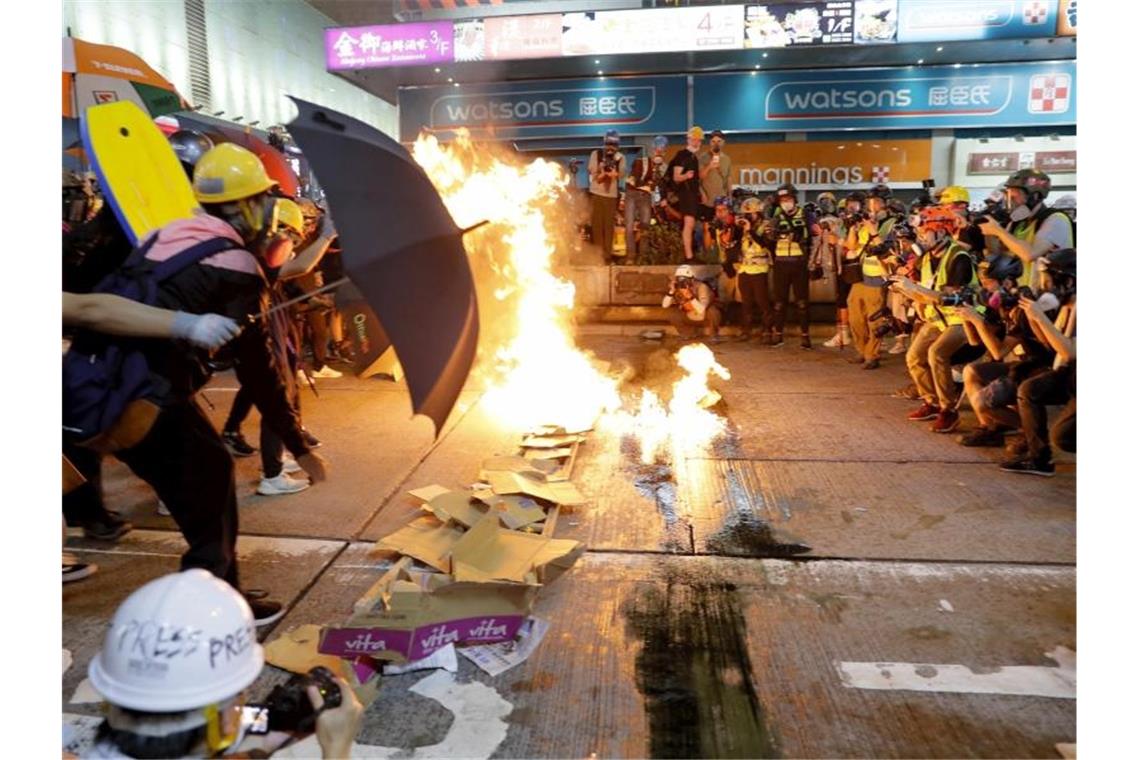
695,305
176,662
948,278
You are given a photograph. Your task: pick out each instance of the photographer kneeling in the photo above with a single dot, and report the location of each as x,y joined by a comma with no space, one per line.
176,661
948,278
695,305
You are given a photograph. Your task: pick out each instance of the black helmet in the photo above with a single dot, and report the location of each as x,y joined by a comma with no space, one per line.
1002,267
895,206
189,145
1036,184
788,189
1062,263
880,191
859,196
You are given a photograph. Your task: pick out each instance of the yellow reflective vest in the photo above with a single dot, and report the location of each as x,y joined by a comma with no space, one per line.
754,258
936,280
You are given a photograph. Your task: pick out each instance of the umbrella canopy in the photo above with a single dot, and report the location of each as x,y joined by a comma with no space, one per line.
95,74
401,249
275,163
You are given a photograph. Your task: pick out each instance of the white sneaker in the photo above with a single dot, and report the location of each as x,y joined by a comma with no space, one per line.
327,373
899,347
281,485
289,465
162,510
956,374
835,342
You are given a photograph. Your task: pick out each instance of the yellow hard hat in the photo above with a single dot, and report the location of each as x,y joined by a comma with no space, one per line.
697,133
954,194
751,206
228,173
289,214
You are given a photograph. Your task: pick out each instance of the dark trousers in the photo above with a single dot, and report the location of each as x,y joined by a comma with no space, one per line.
84,505
271,446
1033,396
754,300
790,274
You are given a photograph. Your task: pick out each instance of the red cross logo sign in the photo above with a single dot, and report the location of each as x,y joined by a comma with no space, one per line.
1034,12
880,174
105,96
1049,93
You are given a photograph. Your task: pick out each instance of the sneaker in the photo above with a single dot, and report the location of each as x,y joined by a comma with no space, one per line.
899,346
871,364
924,412
112,527
777,340
956,375
310,440
805,342
857,359
281,485
327,373
74,570
947,422
162,510
836,341
265,610
1027,466
237,444
1016,446
289,465
982,437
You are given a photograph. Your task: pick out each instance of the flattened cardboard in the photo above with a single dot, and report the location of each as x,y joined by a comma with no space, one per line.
539,470
488,553
514,510
563,493
457,506
537,455
550,441
427,493
427,539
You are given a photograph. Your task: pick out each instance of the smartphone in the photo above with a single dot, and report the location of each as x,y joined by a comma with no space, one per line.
256,719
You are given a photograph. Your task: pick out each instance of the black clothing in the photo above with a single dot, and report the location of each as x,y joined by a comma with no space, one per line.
754,298
1033,396
93,250
689,191
790,273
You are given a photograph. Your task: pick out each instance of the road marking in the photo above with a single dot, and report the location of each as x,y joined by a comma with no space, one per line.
1023,680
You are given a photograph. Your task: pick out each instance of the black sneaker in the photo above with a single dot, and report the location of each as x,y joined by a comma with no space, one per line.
74,570
1016,446
237,444
982,437
110,527
805,342
1029,467
311,440
265,611
871,364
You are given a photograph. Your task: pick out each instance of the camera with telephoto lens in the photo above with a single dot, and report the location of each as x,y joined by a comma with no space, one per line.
963,297
890,324
289,705
1009,299
993,213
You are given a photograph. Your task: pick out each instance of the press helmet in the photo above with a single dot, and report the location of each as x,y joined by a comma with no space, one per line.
189,145
788,190
684,271
826,202
1036,184
183,641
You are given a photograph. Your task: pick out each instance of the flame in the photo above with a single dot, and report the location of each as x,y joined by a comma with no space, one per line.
534,374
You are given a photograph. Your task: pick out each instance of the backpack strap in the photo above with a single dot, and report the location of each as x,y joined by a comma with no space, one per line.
190,256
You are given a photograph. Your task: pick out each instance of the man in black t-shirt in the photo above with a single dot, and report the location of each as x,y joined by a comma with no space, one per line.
683,170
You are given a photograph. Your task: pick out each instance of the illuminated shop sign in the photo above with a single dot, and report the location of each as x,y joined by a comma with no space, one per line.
938,20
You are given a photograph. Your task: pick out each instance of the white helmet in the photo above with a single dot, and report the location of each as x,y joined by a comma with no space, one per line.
1066,202
180,642
684,271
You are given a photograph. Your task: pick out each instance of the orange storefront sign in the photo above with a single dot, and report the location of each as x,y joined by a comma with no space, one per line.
829,165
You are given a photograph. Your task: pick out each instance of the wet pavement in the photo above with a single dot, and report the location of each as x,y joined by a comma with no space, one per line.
728,606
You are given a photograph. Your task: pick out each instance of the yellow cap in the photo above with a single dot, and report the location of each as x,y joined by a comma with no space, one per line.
697,133
228,173
289,214
954,194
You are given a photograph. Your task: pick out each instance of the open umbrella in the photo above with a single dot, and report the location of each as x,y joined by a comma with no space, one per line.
95,74
401,249
275,163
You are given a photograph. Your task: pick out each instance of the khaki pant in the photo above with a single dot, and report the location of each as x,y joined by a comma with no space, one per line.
602,224
687,328
928,361
864,301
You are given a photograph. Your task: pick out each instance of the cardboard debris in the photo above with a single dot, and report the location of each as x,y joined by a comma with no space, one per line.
427,539
442,658
422,612
496,659
513,510
296,651
564,493
488,553
459,506
550,441
539,469
538,455
427,493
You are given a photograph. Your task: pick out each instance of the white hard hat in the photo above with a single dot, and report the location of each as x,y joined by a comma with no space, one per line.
1068,201
685,271
182,641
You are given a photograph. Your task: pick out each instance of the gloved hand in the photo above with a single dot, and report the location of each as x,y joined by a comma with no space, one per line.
209,331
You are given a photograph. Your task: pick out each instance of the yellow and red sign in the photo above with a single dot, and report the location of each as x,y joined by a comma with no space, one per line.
1067,19
830,165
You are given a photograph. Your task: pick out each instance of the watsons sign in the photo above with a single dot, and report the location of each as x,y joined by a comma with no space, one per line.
548,109
903,98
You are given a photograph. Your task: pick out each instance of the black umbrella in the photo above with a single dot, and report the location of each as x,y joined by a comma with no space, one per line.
401,249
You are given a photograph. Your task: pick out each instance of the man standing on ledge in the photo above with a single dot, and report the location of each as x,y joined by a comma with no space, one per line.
605,166
683,171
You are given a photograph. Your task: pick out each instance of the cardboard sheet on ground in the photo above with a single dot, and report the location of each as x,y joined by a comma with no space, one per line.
427,539
562,429
550,441
541,468
514,510
489,553
547,454
496,659
427,493
459,506
563,493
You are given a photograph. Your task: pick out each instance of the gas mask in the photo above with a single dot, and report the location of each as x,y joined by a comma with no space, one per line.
1018,213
